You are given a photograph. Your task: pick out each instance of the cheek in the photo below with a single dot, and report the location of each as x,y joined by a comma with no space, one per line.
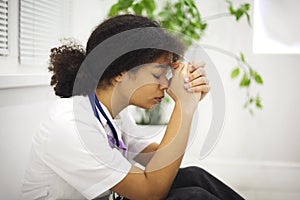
145,92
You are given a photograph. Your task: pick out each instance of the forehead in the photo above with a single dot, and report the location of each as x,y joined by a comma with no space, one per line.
165,59
162,63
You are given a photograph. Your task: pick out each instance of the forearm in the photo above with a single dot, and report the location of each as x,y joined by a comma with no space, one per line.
162,168
146,155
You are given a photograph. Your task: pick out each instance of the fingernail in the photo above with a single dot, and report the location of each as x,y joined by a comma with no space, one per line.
190,90
186,86
186,80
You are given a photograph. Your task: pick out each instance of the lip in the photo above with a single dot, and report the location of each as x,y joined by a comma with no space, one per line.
158,99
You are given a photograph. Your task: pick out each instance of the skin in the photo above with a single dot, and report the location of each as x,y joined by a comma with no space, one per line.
143,88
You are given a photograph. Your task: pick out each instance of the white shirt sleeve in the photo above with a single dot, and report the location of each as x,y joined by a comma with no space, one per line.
78,151
136,138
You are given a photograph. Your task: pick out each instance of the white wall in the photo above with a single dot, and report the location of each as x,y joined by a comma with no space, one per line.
25,94
21,110
254,155
271,134
260,152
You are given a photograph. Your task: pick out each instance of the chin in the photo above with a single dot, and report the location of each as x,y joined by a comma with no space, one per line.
152,107
147,107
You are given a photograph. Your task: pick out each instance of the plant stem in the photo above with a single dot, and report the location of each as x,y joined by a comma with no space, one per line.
228,53
216,16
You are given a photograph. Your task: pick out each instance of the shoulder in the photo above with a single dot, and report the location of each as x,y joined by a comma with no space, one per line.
64,107
67,117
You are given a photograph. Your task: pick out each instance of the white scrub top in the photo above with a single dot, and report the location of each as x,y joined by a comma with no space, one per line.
71,157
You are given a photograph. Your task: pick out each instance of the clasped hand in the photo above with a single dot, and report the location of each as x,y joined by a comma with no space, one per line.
189,83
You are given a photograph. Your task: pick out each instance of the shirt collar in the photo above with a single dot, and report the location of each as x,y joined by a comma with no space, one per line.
116,122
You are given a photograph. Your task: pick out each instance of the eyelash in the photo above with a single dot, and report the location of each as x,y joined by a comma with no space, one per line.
156,76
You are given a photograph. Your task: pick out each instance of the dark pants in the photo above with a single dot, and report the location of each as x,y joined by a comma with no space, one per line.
195,183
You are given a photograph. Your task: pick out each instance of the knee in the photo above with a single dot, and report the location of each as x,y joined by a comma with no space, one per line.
194,170
195,173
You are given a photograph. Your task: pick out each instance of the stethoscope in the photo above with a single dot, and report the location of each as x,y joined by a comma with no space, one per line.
95,103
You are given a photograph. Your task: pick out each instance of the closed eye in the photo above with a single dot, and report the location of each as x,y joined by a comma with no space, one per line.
156,76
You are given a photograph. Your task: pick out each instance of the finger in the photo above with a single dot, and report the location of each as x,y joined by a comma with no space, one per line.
185,71
175,65
200,88
192,67
180,67
200,72
199,64
199,81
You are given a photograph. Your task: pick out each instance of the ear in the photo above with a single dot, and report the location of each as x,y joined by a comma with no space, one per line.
119,77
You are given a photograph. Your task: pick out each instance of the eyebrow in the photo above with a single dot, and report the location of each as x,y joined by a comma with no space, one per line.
164,66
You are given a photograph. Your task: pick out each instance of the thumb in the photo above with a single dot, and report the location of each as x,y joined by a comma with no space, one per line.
175,65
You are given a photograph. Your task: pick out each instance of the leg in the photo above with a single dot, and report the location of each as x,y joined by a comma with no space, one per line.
197,177
190,193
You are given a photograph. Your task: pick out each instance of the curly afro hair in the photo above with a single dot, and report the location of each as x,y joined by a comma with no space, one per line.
66,60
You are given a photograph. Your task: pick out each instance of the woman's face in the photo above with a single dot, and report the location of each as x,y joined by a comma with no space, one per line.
146,86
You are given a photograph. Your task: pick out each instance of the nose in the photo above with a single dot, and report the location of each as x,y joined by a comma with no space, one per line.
164,83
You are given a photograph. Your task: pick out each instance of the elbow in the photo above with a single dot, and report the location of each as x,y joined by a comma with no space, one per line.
159,197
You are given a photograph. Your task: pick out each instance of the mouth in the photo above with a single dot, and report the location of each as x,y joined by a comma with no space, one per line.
158,99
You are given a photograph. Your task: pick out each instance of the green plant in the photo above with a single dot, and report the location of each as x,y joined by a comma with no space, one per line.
184,17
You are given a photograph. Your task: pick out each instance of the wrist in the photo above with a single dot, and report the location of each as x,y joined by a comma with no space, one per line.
187,109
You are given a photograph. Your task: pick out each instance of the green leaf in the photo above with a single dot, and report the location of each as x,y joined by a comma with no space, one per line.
164,14
238,14
258,78
246,6
235,72
242,57
180,19
178,5
245,82
149,5
231,10
124,4
252,72
203,26
251,100
229,2
248,19
188,3
152,4
258,102
114,10
137,8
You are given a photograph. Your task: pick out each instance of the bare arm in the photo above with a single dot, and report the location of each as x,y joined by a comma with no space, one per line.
155,181
146,155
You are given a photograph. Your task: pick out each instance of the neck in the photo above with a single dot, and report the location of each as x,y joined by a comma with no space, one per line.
111,100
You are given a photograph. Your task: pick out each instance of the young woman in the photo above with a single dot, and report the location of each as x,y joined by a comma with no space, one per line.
64,164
